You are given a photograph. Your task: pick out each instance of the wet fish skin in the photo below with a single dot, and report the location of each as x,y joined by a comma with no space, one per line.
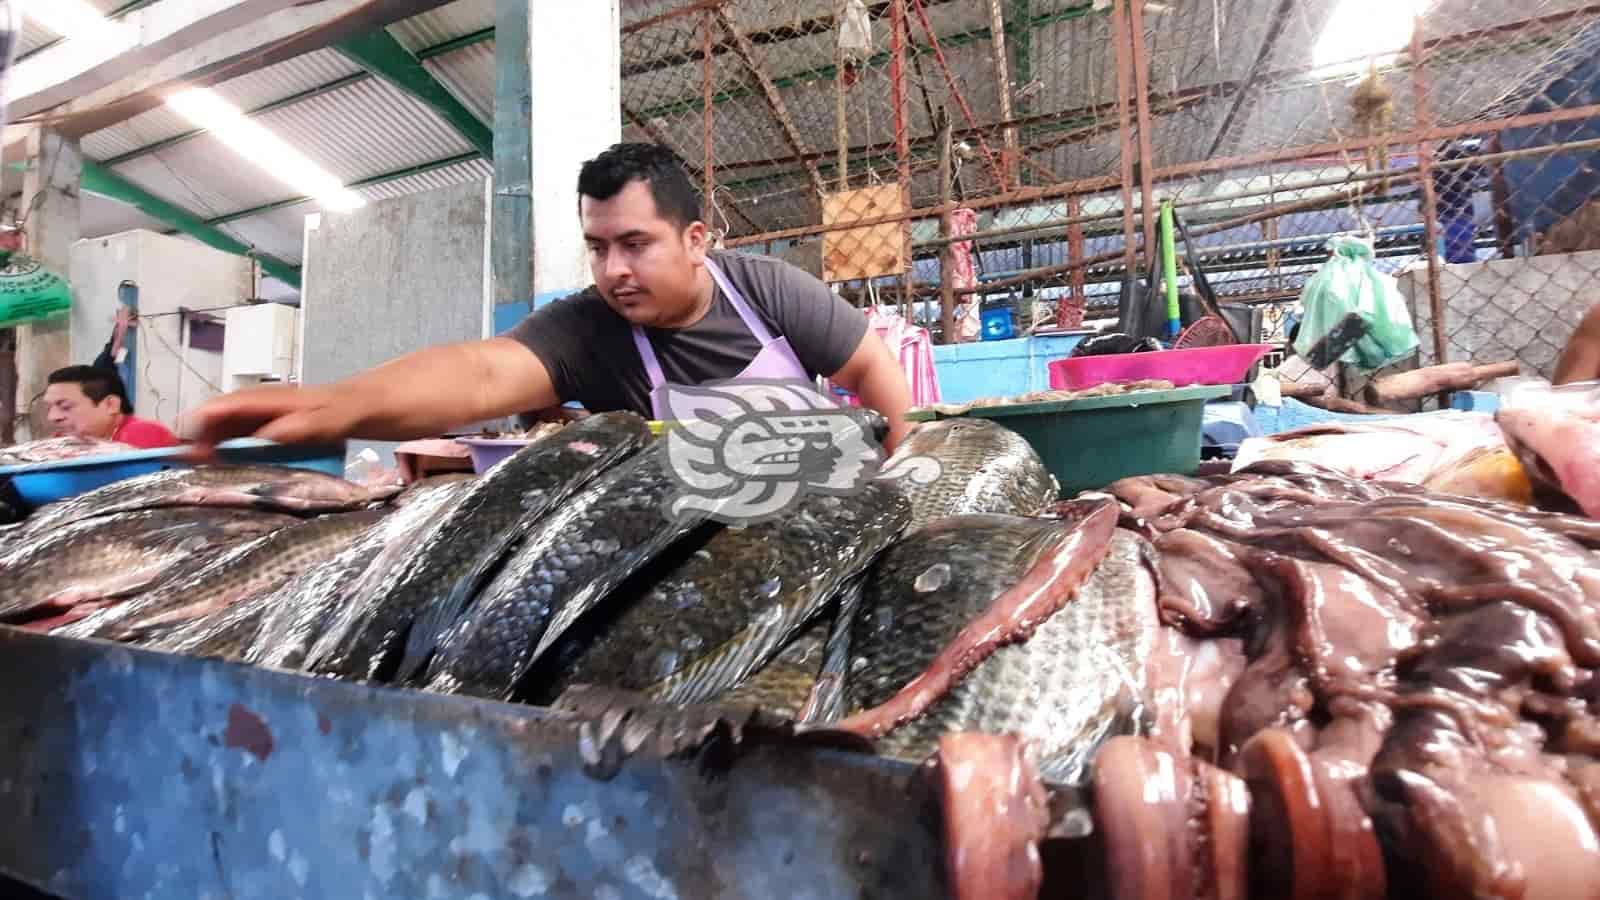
1068,687
571,560
225,635
117,555
300,612
725,610
784,686
490,514
984,468
1065,686
257,567
266,488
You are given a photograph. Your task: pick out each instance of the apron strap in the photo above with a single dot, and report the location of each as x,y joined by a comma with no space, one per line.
740,305
647,354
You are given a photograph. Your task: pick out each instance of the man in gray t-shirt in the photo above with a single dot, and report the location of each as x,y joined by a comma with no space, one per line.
664,309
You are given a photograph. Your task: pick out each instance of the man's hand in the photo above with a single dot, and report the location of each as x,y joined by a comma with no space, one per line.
873,374
286,414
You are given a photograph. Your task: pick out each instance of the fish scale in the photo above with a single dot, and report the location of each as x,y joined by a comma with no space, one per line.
500,507
255,567
984,468
119,554
573,558
724,610
1067,687
300,612
267,488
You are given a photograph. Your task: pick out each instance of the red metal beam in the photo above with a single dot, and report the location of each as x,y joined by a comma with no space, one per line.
955,92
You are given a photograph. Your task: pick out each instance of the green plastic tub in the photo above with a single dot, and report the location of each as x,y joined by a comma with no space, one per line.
1089,443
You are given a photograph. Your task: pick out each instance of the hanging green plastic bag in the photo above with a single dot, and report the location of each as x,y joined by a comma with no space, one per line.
29,292
1349,283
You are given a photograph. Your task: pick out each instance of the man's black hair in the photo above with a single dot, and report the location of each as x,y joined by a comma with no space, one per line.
603,177
96,383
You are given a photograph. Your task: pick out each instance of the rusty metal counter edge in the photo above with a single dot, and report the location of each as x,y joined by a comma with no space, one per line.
130,774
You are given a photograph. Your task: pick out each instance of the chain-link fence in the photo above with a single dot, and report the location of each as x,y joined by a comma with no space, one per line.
923,153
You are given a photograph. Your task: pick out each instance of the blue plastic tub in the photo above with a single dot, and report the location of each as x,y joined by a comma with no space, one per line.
47,482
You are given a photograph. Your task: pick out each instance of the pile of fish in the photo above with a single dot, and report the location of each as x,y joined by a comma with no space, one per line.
1280,682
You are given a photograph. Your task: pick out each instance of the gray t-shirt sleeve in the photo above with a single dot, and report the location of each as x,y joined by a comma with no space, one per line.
823,329
555,333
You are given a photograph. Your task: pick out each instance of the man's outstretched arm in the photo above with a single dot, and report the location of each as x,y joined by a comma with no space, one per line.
417,395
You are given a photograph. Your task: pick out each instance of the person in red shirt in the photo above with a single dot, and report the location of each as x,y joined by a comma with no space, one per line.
91,402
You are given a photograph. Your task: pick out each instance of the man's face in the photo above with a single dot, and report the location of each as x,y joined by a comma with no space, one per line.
646,267
70,411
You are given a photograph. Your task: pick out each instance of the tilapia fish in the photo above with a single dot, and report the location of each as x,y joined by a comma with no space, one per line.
225,635
257,567
54,448
442,569
114,556
721,614
571,560
1001,623
268,488
1066,687
983,468
300,612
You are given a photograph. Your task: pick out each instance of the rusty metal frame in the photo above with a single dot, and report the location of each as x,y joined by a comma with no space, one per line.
947,254
1141,96
956,92
708,155
1188,170
1009,151
1122,45
898,32
773,98
1430,203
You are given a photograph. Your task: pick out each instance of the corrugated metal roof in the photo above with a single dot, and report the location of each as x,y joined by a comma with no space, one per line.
246,92
469,74
427,181
32,37
365,129
278,233
443,24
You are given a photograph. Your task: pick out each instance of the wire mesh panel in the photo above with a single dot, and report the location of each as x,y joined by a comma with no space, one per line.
1014,152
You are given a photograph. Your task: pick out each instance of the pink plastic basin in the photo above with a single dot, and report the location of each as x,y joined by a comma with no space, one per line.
1198,365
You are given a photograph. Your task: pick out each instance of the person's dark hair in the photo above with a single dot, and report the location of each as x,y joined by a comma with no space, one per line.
603,177
96,383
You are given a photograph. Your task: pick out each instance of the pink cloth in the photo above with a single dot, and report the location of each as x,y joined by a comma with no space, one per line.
913,347
963,275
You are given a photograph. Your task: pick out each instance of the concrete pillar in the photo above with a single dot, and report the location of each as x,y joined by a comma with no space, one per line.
50,206
575,64
511,231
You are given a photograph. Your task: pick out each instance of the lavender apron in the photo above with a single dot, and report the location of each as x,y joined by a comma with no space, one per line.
775,361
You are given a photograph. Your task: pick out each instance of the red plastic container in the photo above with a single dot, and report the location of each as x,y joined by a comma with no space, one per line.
1198,365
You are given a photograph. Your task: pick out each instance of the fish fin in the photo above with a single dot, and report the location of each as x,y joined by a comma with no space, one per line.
829,697
430,626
